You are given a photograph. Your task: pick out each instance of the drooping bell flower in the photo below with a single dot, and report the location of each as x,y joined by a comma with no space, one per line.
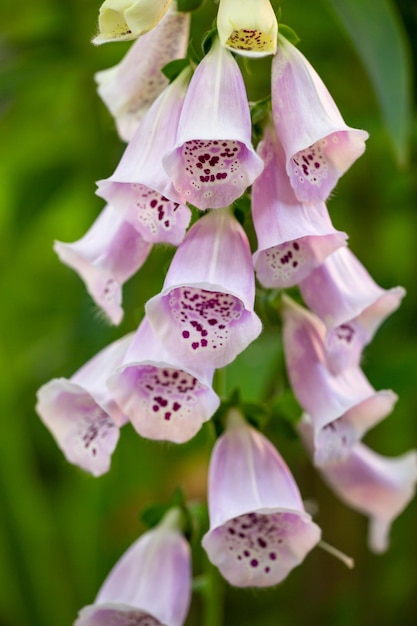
343,294
105,258
248,27
123,20
162,399
129,88
204,313
318,145
80,412
343,406
213,160
150,585
259,529
139,187
378,486
293,237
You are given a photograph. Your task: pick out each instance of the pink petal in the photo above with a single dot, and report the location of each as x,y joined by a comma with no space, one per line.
162,399
343,406
105,258
378,486
205,310
259,530
151,583
343,294
318,145
139,187
81,414
130,87
293,238
213,161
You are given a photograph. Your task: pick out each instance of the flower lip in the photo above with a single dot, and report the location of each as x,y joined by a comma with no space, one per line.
114,614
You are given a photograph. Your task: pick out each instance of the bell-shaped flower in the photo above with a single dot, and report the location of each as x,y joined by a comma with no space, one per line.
343,294
162,399
378,486
293,237
343,406
81,413
213,160
150,585
139,187
259,529
204,313
129,88
248,27
105,258
319,147
123,20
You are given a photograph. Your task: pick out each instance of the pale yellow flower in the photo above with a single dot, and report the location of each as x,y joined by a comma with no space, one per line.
123,20
248,27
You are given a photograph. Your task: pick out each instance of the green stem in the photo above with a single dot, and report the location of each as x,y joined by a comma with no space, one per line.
213,596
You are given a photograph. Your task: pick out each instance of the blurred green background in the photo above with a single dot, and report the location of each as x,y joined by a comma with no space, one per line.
62,530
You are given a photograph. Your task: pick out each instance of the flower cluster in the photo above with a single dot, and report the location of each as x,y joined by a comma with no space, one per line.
190,154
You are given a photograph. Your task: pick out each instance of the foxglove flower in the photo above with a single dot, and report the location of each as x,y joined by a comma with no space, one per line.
105,258
204,313
378,486
213,160
150,585
81,413
123,20
318,145
248,27
351,304
342,406
259,530
139,187
162,399
293,238
129,88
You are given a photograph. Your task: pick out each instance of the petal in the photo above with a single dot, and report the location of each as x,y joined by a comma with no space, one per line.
123,20
153,575
249,28
293,238
318,145
343,294
130,87
259,529
213,160
139,187
378,486
81,414
205,310
163,400
105,258
343,405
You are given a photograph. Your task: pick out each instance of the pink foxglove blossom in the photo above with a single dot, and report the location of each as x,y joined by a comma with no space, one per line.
343,406
248,27
351,304
81,413
130,87
105,258
213,160
259,530
319,146
162,399
204,313
123,20
150,585
378,486
293,237
139,187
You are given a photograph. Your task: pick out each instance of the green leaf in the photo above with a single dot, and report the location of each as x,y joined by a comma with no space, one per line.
380,40
188,5
174,68
289,34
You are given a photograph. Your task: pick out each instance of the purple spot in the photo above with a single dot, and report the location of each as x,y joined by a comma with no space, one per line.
254,563
185,334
